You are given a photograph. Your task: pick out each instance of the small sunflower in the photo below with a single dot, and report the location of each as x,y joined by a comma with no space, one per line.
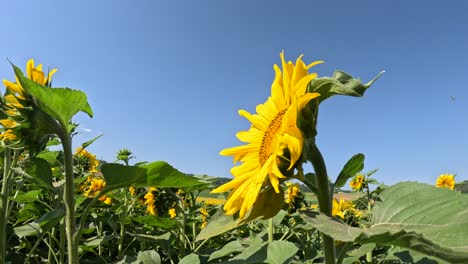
357,182
204,216
292,192
273,138
172,213
91,159
446,181
150,200
341,207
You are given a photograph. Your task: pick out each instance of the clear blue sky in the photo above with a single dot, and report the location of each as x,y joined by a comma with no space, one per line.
166,78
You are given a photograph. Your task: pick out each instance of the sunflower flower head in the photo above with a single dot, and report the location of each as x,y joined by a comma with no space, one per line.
91,163
292,192
357,182
341,207
273,139
204,215
28,123
446,181
150,200
172,213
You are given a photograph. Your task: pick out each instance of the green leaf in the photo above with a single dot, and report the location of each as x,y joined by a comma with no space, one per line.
340,83
353,166
50,219
119,176
50,156
310,180
190,259
40,170
60,103
218,224
151,220
149,257
411,215
267,205
228,249
353,255
87,143
29,229
276,252
162,174
27,197
159,174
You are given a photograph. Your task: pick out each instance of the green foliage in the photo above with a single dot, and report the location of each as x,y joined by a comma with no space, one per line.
60,103
353,166
410,215
158,173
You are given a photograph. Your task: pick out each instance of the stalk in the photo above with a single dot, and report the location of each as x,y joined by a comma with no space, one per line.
324,197
69,199
4,203
270,230
122,226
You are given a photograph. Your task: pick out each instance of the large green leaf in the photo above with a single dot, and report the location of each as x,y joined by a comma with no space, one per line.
60,103
340,83
190,259
50,219
411,215
158,174
353,166
149,257
40,170
276,252
151,220
231,247
162,174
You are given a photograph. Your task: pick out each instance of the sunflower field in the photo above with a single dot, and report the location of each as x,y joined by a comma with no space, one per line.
60,204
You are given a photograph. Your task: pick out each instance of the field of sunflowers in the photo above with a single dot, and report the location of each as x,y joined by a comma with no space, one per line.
60,204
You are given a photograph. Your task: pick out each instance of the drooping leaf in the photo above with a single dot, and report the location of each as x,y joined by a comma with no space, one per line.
190,259
218,224
50,156
28,229
149,257
353,166
411,215
231,247
60,103
40,170
340,83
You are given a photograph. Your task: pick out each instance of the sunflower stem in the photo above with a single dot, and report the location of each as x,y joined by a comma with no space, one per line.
324,197
4,203
69,199
270,230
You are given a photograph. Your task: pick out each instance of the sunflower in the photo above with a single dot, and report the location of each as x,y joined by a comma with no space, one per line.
357,182
446,181
292,192
93,163
273,138
341,207
172,213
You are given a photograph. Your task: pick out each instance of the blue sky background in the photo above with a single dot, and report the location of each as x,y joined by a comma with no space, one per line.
166,78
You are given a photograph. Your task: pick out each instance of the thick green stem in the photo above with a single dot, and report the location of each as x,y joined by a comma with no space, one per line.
324,196
4,203
122,225
69,199
270,230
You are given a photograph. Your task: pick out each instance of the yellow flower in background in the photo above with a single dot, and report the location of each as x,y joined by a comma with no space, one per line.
93,162
210,200
446,181
172,213
273,133
94,186
340,206
356,182
291,193
8,136
106,200
150,200
204,216
8,123
132,191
